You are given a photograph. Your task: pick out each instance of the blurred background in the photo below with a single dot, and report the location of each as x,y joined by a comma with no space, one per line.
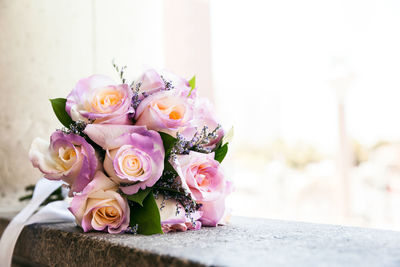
311,87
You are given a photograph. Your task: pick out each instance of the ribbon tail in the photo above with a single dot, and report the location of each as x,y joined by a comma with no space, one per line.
43,189
53,212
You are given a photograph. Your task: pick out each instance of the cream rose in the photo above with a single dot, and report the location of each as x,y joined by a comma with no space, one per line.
67,157
100,207
135,155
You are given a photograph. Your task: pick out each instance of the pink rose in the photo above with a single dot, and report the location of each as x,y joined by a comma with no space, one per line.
203,178
174,217
201,175
214,212
67,157
100,207
166,111
134,155
100,99
152,82
204,115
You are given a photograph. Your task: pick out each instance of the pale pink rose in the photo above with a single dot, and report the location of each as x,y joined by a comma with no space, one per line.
149,82
204,115
67,157
134,155
100,207
201,174
165,111
100,99
180,84
203,178
152,81
174,217
215,212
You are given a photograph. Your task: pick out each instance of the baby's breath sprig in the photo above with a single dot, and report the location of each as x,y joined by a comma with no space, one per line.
120,71
138,97
135,98
132,229
197,143
168,84
132,85
170,187
76,127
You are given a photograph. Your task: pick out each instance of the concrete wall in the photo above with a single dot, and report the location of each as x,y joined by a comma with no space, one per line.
188,41
45,47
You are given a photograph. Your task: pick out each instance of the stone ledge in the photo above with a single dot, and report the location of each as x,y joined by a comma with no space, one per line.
245,242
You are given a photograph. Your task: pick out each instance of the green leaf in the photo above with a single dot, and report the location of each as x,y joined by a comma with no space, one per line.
220,153
58,105
192,83
147,217
139,196
168,142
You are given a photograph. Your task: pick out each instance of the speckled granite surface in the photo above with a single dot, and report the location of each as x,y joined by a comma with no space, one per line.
245,242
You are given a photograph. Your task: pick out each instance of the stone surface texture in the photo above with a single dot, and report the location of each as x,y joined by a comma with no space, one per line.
244,242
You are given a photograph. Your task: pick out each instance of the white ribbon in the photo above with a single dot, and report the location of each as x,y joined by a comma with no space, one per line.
53,212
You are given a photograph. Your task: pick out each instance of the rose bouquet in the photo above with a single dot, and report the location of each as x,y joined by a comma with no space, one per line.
139,158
